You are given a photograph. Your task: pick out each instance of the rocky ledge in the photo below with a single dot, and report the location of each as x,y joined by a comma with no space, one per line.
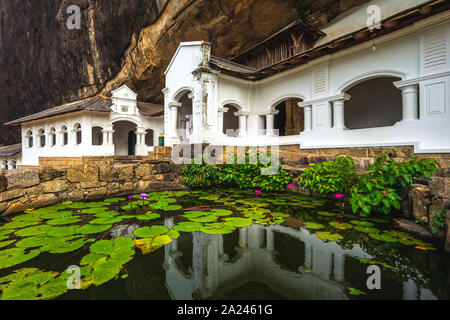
34,188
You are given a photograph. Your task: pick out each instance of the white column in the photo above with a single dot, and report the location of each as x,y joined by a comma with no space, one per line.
242,123
220,116
308,117
338,112
270,123
269,239
410,97
308,256
243,236
174,118
339,266
410,290
140,142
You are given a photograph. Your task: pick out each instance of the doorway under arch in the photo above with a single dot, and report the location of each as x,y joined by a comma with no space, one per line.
290,119
124,138
231,121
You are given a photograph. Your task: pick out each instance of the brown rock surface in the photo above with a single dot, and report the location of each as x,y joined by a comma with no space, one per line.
22,178
82,173
420,196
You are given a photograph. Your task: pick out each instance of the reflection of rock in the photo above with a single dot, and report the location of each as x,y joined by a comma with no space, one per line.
410,226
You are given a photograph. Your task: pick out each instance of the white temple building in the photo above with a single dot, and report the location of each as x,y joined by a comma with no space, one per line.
378,75
343,86
99,126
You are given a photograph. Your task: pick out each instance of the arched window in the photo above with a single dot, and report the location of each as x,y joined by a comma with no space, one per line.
374,103
64,136
41,138
97,136
14,164
77,131
231,121
149,138
29,138
52,137
5,165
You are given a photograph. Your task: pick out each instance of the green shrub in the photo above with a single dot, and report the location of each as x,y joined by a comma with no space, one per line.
337,176
379,189
249,176
437,221
200,175
243,176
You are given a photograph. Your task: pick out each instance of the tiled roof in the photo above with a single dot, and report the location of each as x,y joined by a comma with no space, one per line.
98,103
10,150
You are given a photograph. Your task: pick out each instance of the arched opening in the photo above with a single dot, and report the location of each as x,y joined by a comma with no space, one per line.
124,138
97,136
29,138
374,103
78,134
64,136
149,138
41,138
231,121
290,120
185,121
14,164
5,165
52,137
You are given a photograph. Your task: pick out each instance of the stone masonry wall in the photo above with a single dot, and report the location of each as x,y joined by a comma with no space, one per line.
39,187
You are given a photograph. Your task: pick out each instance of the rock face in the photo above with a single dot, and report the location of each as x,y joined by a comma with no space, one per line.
45,64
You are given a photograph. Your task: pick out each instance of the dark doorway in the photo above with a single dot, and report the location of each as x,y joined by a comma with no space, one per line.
132,143
280,119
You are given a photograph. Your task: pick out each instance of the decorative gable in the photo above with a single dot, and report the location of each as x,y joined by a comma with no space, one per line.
124,101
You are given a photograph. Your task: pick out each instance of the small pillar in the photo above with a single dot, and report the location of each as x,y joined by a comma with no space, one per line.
174,118
338,111
308,116
410,97
270,123
242,122
220,116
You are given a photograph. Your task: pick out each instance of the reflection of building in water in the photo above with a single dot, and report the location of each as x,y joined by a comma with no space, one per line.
213,274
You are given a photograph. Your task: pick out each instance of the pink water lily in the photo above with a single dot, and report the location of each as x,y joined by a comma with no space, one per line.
258,192
290,186
339,195
130,197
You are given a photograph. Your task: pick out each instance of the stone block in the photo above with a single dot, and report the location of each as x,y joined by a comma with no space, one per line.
22,178
440,186
75,195
109,174
96,194
126,172
420,196
55,186
50,173
143,171
10,195
44,200
82,173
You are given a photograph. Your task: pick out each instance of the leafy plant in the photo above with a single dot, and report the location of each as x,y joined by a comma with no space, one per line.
331,176
379,189
437,221
200,175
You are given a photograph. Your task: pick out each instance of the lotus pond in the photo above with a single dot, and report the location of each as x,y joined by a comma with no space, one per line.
221,244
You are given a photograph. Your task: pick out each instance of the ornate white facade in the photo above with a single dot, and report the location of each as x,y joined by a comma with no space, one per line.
414,60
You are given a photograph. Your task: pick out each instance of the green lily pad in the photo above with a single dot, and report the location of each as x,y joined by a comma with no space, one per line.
238,222
15,256
218,228
107,214
362,223
149,216
221,212
105,270
209,218
325,235
114,200
149,245
108,221
326,213
382,237
6,243
367,229
188,226
63,221
150,232
171,208
355,292
34,231
341,226
314,226
93,228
